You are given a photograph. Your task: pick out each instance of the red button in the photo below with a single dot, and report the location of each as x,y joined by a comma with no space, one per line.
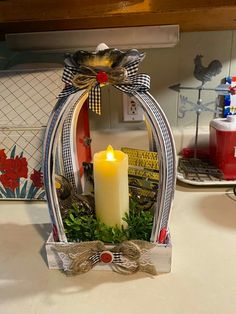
106,257
102,77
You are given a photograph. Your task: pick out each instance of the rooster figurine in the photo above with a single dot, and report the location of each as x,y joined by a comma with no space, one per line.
205,74
68,197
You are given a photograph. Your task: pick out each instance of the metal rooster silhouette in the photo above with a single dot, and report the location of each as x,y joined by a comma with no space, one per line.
205,74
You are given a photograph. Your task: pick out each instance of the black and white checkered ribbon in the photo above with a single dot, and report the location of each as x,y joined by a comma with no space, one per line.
137,82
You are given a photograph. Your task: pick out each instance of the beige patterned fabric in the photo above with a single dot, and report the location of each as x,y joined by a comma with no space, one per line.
81,257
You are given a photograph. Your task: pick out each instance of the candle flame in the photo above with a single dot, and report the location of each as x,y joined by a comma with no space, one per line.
110,153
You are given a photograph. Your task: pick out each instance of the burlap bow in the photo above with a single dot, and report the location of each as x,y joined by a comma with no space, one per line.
124,78
127,258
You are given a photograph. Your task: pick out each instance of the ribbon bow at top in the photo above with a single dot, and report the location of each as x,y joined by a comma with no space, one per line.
95,69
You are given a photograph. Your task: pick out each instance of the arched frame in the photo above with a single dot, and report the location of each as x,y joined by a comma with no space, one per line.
60,136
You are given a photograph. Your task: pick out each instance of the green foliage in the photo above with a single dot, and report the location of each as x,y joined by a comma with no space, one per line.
110,234
81,226
139,225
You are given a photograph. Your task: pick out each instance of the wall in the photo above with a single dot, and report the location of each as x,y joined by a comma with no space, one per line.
166,67
170,66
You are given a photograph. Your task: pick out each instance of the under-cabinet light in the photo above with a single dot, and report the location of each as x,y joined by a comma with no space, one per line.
121,38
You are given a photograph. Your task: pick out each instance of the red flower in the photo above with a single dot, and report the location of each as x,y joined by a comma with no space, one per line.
2,154
3,157
17,166
21,167
102,77
12,170
10,180
37,178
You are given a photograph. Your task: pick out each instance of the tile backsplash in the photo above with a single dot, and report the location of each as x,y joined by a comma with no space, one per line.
26,99
166,66
29,86
170,66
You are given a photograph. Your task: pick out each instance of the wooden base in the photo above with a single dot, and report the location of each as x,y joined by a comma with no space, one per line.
160,256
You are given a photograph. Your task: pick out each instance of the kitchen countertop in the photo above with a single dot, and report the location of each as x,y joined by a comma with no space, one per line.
203,277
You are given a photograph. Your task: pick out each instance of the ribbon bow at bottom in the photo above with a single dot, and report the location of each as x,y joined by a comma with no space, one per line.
125,258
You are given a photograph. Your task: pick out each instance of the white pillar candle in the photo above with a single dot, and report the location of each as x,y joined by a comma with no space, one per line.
111,186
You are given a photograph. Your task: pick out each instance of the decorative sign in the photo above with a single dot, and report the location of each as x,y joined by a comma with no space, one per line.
154,176
139,153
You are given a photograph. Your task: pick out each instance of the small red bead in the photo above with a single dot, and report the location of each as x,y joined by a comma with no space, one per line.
162,236
106,257
102,77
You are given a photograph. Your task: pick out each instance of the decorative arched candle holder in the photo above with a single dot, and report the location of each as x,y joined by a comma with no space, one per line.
84,74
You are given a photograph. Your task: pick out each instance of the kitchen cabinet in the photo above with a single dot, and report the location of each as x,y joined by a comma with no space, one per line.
49,15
